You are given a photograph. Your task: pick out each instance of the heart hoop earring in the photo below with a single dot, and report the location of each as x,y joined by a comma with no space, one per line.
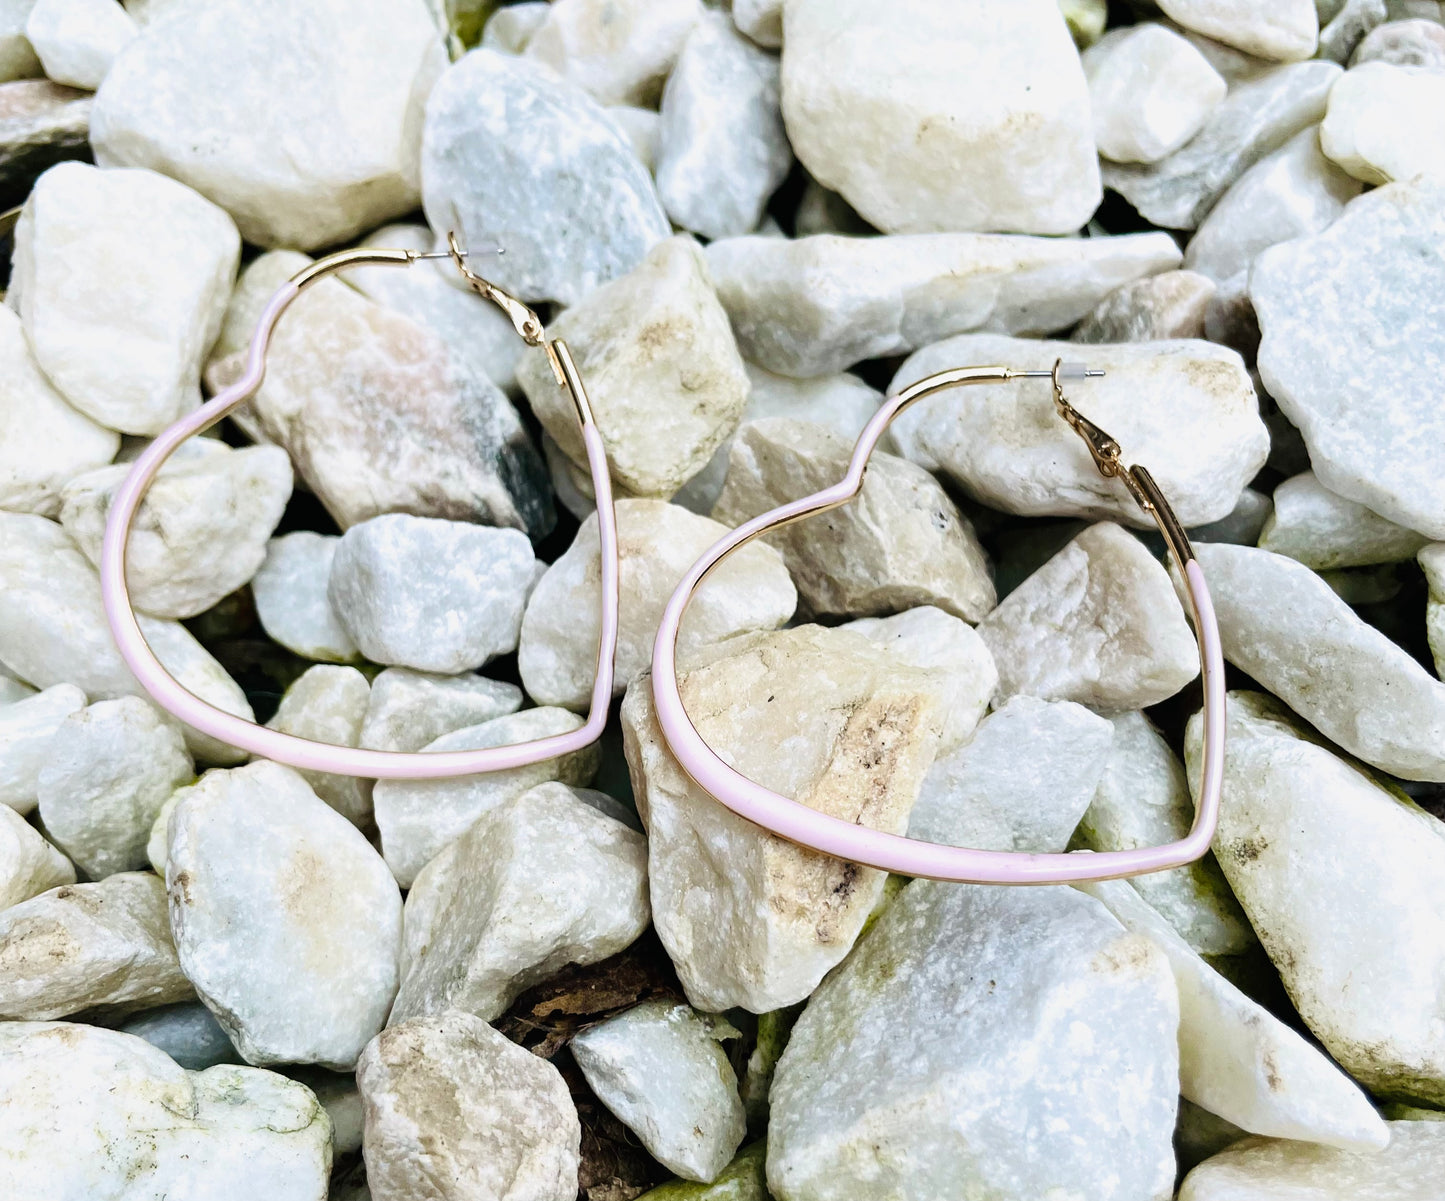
172,696
910,856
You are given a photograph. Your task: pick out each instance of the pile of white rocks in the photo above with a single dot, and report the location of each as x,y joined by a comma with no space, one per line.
223,979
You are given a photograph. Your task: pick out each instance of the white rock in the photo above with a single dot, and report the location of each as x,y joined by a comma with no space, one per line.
103,948
201,531
28,864
1150,91
129,354
901,543
1024,1039
417,818
1159,308
26,728
1432,561
813,306
660,1069
12,689
929,638
291,599
537,882
761,20
77,40
1259,115
657,543
301,121
17,55
454,1111
1200,436
722,148
1384,122
435,595
108,770
381,416
820,715
1407,43
1143,800
619,51
510,29
1353,338
53,630
1290,193
43,441
103,1115
296,956
876,98
477,333
1020,784
187,1032
329,704
255,286
1408,1169
1095,624
1238,1060
662,371
1324,531
1299,824
1285,30
640,126
533,174
409,709
1284,626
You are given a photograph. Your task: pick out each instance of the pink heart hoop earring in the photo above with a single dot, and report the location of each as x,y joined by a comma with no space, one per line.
910,856
172,696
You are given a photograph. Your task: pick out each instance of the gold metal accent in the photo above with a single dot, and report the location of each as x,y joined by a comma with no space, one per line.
568,377
359,256
523,319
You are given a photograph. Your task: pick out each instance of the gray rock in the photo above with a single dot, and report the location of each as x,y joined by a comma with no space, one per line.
1244,523
1409,43
1258,116
41,123
1014,1056
77,40
187,1032
26,728
535,178
408,709
17,56
329,704
816,305
430,594
619,51
28,864
1286,30
1348,28
660,1069
290,591
722,148
1160,308
1324,531
323,158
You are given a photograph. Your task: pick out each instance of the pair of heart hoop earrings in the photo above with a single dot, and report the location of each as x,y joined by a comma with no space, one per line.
779,814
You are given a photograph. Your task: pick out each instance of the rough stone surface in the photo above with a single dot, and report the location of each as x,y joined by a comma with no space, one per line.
290,590
1159,308
1259,115
1284,626
329,704
127,355
106,1116
417,818
662,371
1408,43
1293,192
876,98
822,716
657,543
722,148
660,1069
537,882
1348,27
187,1032
430,594
1299,823
201,531
28,864
1285,30
1324,531
77,40
108,769
301,121
1354,332
1285,1170
1040,1062
1150,92
812,306
408,709
1020,784
618,52
99,948
1200,436
44,442
41,123
26,728
1384,123
531,172
901,543
297,956
454,1111
1096,624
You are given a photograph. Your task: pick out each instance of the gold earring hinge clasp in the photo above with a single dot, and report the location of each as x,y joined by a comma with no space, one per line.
523,319
1102,446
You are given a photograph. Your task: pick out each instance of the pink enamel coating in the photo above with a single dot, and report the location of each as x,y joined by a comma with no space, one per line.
893,852
301,752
